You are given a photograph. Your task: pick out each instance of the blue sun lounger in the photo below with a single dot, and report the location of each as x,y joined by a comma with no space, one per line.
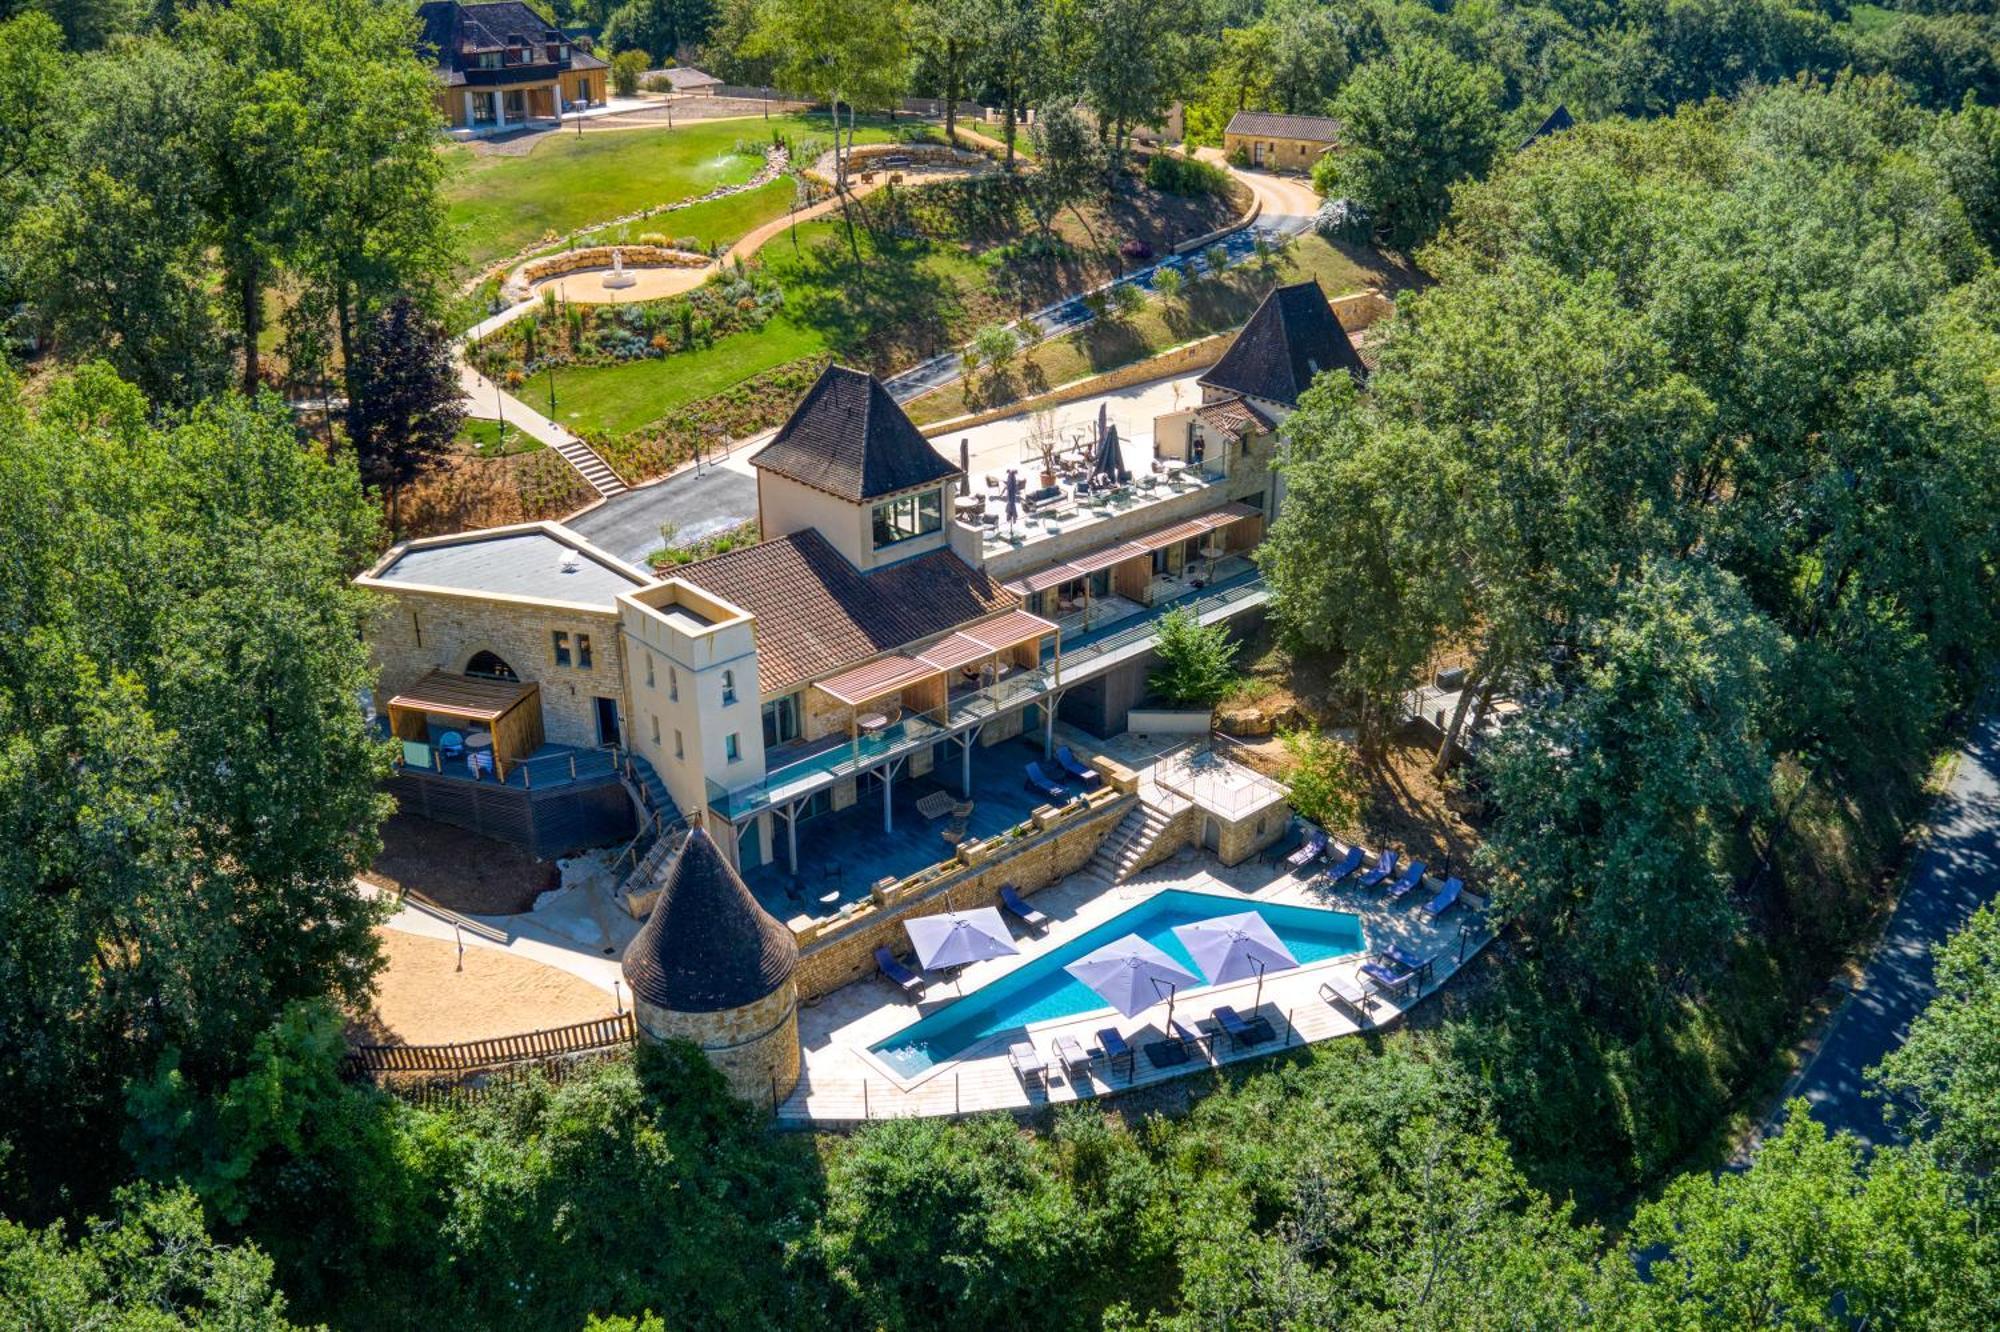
1401,959
1309,850
909,982
1348,864
1044,786
1241,1031
1388,978
1087,777
1115,1048
1445,900
1380,870
1412,877
1016,906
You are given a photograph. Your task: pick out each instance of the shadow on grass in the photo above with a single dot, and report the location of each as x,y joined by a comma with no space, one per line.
872,310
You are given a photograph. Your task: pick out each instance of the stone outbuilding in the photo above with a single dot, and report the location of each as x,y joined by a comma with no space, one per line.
713,967
1277,142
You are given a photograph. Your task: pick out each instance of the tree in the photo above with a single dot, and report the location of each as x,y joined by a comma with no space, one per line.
1320,772
626,67
186,781
1168,282
1941,1080
1196,662
1013,39
1618,803
1413,124
1069,165
954,32
151,1266
665,27
406,419
1139,59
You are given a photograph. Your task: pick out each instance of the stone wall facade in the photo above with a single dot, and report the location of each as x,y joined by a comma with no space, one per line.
417,632
755,1047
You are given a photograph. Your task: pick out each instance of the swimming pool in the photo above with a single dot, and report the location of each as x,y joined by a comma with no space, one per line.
1041,990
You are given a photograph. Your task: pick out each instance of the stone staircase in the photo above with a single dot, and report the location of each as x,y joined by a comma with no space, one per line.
589,466
1125,846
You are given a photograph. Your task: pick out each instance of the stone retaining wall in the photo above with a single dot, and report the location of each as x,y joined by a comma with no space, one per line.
600,256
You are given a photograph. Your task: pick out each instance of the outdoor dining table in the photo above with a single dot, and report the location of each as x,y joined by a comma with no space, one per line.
479,740
871,723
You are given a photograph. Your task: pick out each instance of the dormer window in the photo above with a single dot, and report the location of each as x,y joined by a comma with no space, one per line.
908,517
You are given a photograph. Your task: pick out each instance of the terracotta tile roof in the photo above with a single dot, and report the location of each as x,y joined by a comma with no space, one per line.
1292,337
817,613
1233,416
707,946
1319,129
848,437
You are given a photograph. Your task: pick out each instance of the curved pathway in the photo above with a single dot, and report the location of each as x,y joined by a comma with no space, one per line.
1952,874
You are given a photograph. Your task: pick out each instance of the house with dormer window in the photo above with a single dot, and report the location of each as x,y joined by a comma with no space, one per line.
501,66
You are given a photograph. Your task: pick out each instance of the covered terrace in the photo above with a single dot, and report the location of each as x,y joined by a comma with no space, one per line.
501,721
1123,579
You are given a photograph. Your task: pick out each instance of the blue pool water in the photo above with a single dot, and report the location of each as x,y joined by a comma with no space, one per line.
1040,990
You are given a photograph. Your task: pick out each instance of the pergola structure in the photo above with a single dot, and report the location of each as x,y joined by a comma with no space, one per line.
1131,562
509,709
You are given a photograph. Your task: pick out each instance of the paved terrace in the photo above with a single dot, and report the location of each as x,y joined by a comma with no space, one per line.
842,1084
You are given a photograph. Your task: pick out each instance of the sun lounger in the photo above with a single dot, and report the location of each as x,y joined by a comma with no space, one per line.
1412,877
1309,850
1387,978
1446,899
1186,1037
1044,786
1344,993
1239,1030
909,982
1115,1048
1029,1067
1013,904
1068,763
1384,866
1073,1057
1348,864
1403,960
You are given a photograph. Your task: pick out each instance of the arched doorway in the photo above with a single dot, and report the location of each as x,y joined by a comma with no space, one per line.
491,666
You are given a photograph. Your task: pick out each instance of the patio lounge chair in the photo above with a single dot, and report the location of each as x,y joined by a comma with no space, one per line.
451,744
1040,783
1087,776
1029,1067
1446,899
1240,1031
1016,906
1309,850
1115,1048
1384,866
1348,864
1190,1040
1388,978
1412,878
1074,1058
1403,960
1344,993
909,982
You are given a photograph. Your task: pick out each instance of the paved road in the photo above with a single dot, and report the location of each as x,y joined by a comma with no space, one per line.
1952,875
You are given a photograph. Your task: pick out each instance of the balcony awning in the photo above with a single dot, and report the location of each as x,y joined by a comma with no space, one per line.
1009,630
467,697
1042,580
1084,565
1198,525
865,683
958,650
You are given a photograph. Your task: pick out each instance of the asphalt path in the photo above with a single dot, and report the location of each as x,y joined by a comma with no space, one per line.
1953,873
695,503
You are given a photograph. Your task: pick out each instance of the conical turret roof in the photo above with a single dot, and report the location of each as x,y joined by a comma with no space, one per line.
708,945
1292,338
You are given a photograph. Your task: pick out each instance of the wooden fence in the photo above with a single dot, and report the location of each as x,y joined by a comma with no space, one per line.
437,1093
555,1044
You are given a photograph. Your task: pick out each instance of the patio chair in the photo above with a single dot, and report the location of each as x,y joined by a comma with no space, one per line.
1067,761
909,982
1395,955
1309,850
1029,1067
1115,1047
451,744
1042,785
1074,1058
1241,1031
1348,864
1384,866
1412,878
1014,905
1446,899
1387,978
1189,1040
1344,993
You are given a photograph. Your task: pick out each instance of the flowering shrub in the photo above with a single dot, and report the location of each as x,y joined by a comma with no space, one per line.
732,301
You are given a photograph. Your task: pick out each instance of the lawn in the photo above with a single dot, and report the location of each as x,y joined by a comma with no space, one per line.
489,439
503,203
715,222
613,399
1205,307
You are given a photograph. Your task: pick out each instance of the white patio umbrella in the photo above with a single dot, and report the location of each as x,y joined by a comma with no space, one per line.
1230,948
1130,974
957,938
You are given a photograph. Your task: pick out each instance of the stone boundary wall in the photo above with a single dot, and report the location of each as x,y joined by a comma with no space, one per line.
835,951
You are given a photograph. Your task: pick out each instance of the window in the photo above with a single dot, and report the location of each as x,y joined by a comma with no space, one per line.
731,749
583,651
728,688
679,752
673,685
908,516
656,727
781,721
489,666
649,673
560,639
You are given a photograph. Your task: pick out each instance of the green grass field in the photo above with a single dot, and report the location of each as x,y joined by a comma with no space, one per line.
501,204
487,439
715,222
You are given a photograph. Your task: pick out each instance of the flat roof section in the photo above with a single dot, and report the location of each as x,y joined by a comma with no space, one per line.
517,564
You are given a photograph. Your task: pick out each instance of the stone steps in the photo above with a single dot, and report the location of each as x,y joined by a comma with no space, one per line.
1127,844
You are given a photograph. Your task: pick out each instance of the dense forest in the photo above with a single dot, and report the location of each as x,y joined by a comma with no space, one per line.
1690,441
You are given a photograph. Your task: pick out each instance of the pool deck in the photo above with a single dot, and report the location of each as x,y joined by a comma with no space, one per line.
842,1084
